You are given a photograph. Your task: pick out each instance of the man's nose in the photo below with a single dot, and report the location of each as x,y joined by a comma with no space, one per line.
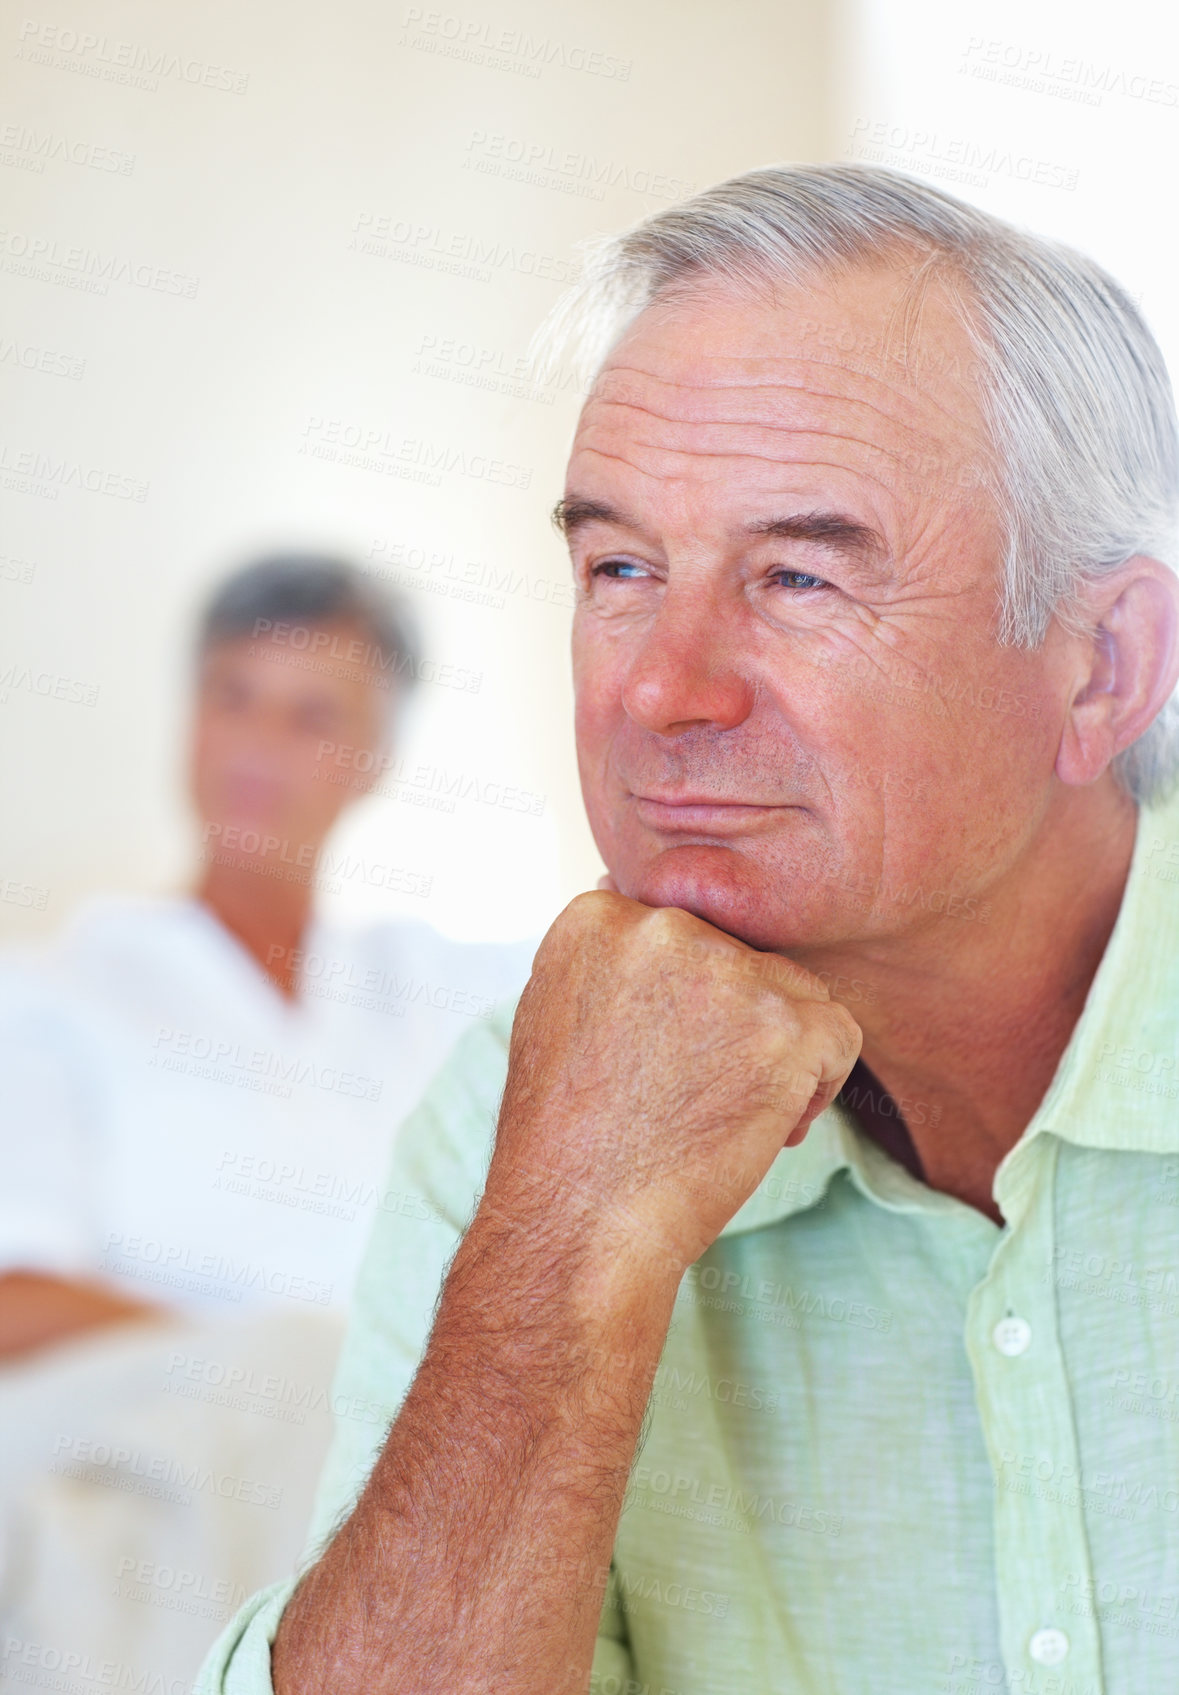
688,671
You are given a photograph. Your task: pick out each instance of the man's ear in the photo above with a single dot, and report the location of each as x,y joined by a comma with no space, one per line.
1129,665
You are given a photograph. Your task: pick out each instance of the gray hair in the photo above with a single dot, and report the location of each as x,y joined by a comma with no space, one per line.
306,591
1074,387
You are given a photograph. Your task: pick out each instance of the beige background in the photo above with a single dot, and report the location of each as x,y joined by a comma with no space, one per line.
358,210
312,328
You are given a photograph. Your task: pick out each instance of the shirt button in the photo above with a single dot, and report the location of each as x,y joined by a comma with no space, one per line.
1048,1647
1011,1336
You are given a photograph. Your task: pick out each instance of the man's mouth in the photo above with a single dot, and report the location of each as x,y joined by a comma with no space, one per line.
695,813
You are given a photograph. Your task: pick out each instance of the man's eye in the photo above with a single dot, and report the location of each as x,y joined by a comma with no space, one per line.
625,569
799,580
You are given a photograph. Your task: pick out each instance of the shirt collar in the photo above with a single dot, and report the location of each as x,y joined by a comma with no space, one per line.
1117,1083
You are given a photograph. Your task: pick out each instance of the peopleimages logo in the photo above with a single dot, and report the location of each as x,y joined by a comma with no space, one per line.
47,684
230,1060
46,361
433,782
43,473
355,658
457,252
473,579
138,1472
544,165
119,61
958,158
180,1267
332,1194
375,988
29,1661
42,257
268,1394
1042,70
30,149
177,1588
725,1504
371,448
496,47
15,893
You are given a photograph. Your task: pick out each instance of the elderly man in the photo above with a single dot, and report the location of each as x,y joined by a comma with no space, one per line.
734,1384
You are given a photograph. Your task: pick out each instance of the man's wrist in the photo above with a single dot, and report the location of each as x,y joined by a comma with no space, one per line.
602,1254
570,1285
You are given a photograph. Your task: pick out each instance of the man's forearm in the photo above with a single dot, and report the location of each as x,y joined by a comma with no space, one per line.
477,1553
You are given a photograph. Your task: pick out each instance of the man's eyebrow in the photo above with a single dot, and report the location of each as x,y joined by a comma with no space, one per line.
835,530
574,513
832,529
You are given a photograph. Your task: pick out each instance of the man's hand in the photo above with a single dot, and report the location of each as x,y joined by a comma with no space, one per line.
657,1067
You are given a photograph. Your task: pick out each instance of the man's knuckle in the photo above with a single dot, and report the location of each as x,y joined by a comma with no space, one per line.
589,905
666,924
844,1022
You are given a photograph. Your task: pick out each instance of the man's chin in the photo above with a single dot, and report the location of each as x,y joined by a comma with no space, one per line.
714,884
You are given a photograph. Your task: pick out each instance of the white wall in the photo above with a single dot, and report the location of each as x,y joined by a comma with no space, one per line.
1062,117
329,204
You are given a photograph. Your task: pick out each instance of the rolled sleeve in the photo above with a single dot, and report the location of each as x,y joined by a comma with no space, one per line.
239,1661
613,1668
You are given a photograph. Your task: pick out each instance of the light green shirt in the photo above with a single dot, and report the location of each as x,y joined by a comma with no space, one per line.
892,1447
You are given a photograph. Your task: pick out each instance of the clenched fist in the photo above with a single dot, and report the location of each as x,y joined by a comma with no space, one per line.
657,1067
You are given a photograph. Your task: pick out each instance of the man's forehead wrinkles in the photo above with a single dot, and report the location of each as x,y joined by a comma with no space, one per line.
768,375
703,392
822,404
713,443
694,476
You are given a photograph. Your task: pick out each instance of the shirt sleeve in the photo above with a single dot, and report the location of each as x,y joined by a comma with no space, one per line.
47,1129
613,1668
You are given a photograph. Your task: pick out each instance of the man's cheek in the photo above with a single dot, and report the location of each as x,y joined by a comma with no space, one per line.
605,810
599,726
